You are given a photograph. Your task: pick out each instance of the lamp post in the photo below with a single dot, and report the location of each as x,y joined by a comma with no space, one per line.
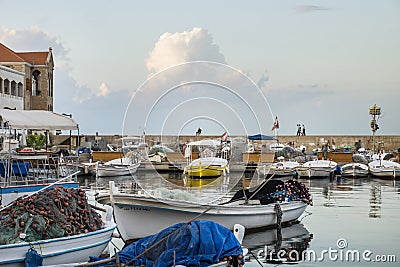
375,112
70,132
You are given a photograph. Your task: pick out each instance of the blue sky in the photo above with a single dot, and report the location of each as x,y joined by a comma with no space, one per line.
319,63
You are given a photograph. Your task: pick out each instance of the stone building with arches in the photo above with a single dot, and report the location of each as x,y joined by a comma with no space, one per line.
26,79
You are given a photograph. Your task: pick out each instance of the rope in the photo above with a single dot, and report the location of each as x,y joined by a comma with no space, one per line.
279,213
251,252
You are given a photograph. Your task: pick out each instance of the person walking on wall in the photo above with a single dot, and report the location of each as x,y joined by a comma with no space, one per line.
303,130
298,129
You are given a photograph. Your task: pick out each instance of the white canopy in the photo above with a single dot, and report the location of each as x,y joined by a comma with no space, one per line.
37,120
205,142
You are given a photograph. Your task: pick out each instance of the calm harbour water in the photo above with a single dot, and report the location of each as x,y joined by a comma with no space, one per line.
349,218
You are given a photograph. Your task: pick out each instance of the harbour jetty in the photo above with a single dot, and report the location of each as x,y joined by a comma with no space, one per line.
387,142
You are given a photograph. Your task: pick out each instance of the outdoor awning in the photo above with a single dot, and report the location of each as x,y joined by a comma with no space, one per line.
37,120
261,137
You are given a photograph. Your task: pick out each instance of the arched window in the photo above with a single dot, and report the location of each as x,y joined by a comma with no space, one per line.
13,88
20,87
1,86
36,83
6,87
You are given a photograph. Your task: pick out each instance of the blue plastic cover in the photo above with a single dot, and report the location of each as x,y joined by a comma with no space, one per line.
199,243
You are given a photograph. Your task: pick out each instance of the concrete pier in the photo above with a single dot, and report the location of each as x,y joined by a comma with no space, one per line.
389,142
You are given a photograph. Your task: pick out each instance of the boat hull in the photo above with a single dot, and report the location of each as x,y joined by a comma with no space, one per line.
354,173
204,171
59,250
385,173
314,172
113,171
207,167
137,217
384,169
354,170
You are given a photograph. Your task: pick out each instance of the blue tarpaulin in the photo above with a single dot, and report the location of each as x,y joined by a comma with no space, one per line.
199,243
261,137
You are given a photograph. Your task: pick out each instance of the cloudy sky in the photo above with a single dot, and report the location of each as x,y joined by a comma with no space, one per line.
173,66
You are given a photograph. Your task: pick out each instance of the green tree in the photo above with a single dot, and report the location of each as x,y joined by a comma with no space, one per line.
36,141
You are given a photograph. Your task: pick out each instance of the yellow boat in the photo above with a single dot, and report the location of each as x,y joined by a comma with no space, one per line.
207,167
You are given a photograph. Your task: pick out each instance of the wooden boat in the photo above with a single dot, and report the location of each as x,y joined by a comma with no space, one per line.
280,169
384,169
59,250
117,167
149,215
317,169
207,167
354,170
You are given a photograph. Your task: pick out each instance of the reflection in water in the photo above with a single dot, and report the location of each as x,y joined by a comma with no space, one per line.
289,244
327,193
375,201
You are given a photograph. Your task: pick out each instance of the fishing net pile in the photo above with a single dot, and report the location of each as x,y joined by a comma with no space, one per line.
52,213
292,190
273,191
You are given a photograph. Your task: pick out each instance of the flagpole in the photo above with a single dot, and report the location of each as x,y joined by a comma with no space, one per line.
276,127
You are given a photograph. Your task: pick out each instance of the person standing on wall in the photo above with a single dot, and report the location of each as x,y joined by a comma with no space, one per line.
303,130
298,129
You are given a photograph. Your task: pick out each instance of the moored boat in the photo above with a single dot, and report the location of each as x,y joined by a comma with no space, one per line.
208,163
150,215
195,243
207,167
354,169
59,250
317,169
384,169
117,167
283,168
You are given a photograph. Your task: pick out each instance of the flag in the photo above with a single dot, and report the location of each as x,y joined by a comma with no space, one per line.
224,137
276,124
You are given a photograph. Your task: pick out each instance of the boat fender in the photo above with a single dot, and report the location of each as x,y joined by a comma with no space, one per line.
238,231
33,258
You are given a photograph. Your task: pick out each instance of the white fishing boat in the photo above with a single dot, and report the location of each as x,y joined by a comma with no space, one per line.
117,167
283,168
384,169
149,215
317,169
61,250
354,169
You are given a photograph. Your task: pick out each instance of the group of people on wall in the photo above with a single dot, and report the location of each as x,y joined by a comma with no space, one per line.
301,130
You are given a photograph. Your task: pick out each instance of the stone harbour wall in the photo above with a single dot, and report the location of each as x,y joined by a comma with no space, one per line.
387,142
